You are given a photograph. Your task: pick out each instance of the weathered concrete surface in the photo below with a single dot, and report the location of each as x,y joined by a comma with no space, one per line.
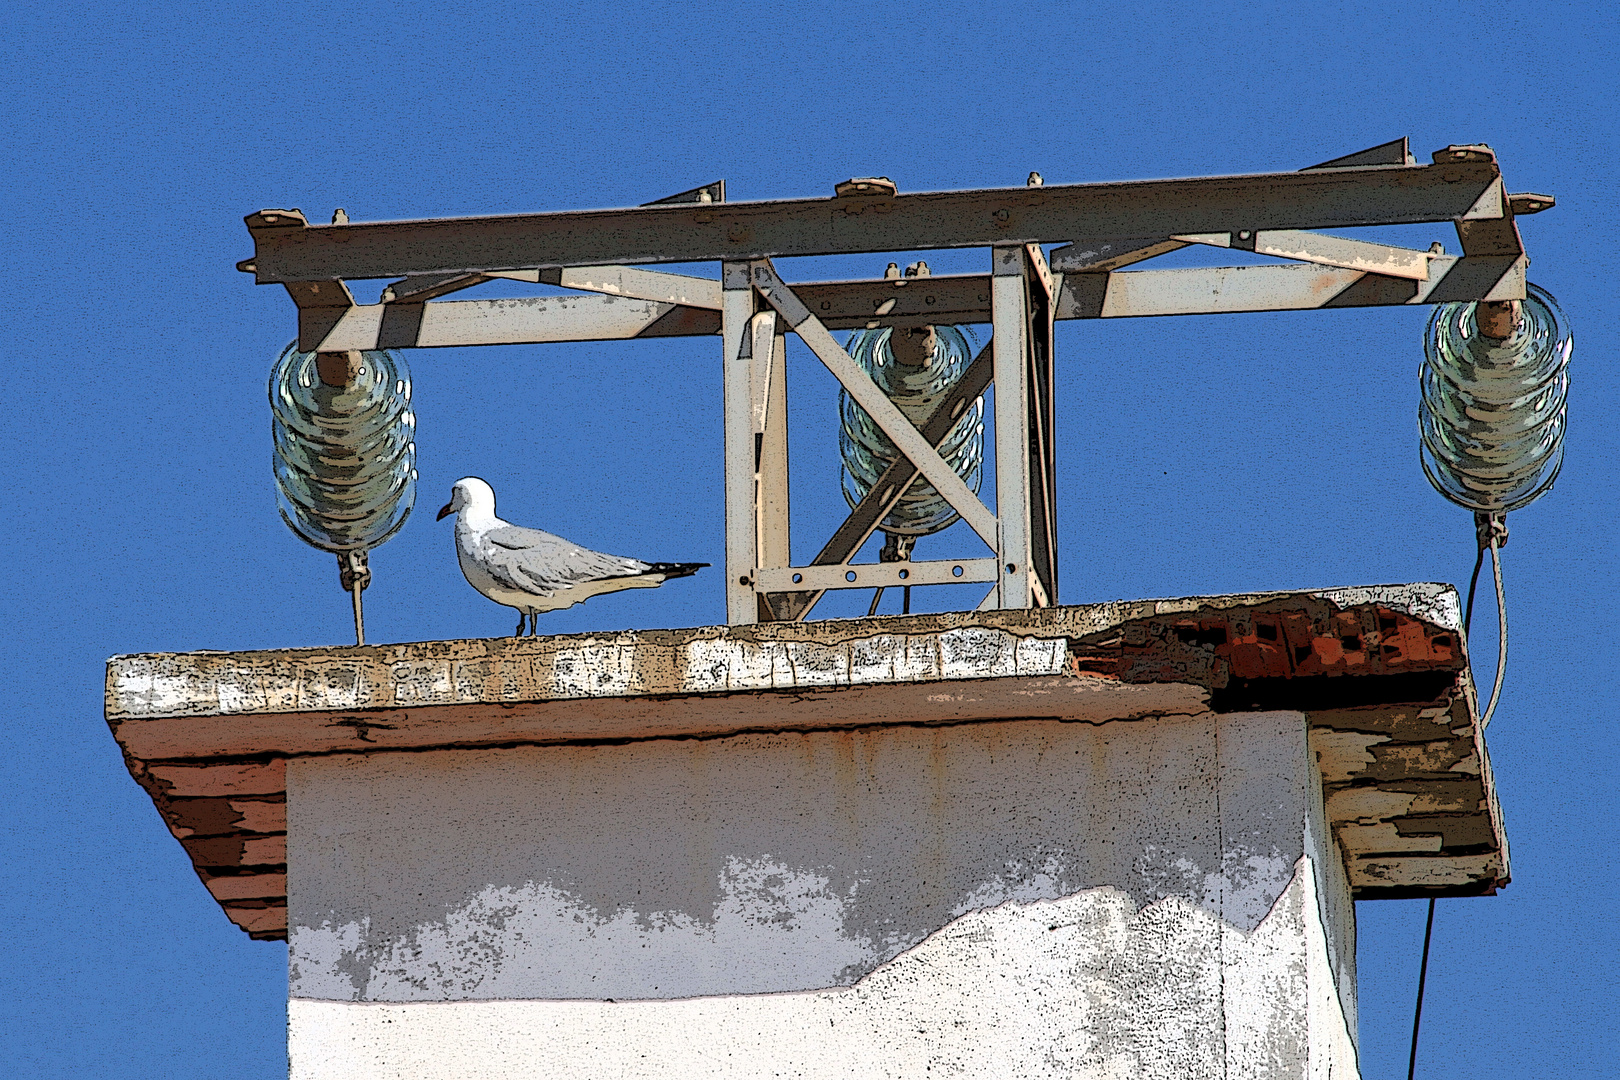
1327,634
1381,672
1080,987
1147,898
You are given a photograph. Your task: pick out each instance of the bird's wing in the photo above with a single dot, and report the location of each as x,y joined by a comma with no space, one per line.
534,561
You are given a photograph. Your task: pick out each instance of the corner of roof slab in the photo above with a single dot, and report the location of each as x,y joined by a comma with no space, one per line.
1111,839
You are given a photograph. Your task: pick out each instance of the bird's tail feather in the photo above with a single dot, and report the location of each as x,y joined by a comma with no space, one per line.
676,569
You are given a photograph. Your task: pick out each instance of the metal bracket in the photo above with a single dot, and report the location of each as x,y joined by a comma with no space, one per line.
876,575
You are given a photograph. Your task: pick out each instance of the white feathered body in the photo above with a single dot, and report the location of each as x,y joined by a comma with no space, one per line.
482,557
536,571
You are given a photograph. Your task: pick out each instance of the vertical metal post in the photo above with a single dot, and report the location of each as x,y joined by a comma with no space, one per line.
1009,312
737,312
769,366
1041,294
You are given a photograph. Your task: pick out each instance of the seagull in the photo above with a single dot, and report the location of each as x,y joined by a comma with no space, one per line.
535,571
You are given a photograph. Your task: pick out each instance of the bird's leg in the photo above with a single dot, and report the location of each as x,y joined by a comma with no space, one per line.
522,619
534,624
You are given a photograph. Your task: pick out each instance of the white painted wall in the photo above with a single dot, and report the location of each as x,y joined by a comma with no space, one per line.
1025,898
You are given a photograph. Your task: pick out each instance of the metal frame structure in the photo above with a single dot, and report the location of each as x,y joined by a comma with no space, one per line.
1103,227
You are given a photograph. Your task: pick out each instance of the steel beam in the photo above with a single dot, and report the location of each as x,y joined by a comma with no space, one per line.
1324,250
854,304
289,249
740,305
769,390
1298,287
635,284
531,320
1041,289
1010,345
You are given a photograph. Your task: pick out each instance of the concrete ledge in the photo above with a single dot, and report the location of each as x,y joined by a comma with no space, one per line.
1381,671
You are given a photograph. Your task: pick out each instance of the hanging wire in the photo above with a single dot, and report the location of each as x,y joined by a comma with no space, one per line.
1423,975
1501,636
1428,925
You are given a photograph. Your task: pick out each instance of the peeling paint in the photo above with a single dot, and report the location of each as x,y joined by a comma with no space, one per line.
1343,755
766,863
1085,985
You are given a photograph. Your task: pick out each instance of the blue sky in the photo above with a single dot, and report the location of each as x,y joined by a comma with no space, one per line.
1201,455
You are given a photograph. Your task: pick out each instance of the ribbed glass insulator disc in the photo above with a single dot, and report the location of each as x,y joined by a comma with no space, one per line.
345,457
915,390
1492,413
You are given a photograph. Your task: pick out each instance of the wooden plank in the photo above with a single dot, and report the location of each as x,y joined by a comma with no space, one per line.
538,723
252,778
224,817
262,921
1433,872
248,886
237,851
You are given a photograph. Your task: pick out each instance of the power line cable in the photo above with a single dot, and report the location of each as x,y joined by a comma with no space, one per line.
1494,535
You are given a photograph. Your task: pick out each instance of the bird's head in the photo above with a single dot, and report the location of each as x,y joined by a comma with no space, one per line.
470,492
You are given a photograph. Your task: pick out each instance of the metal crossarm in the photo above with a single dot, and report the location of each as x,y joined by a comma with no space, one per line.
287,248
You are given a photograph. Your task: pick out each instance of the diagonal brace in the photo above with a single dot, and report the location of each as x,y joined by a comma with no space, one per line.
863,521
888,417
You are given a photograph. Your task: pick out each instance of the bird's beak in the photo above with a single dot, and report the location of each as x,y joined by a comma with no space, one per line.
448,507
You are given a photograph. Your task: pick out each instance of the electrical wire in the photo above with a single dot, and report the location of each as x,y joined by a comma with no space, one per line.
1501,639
1493,544
1423,975
1473,583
